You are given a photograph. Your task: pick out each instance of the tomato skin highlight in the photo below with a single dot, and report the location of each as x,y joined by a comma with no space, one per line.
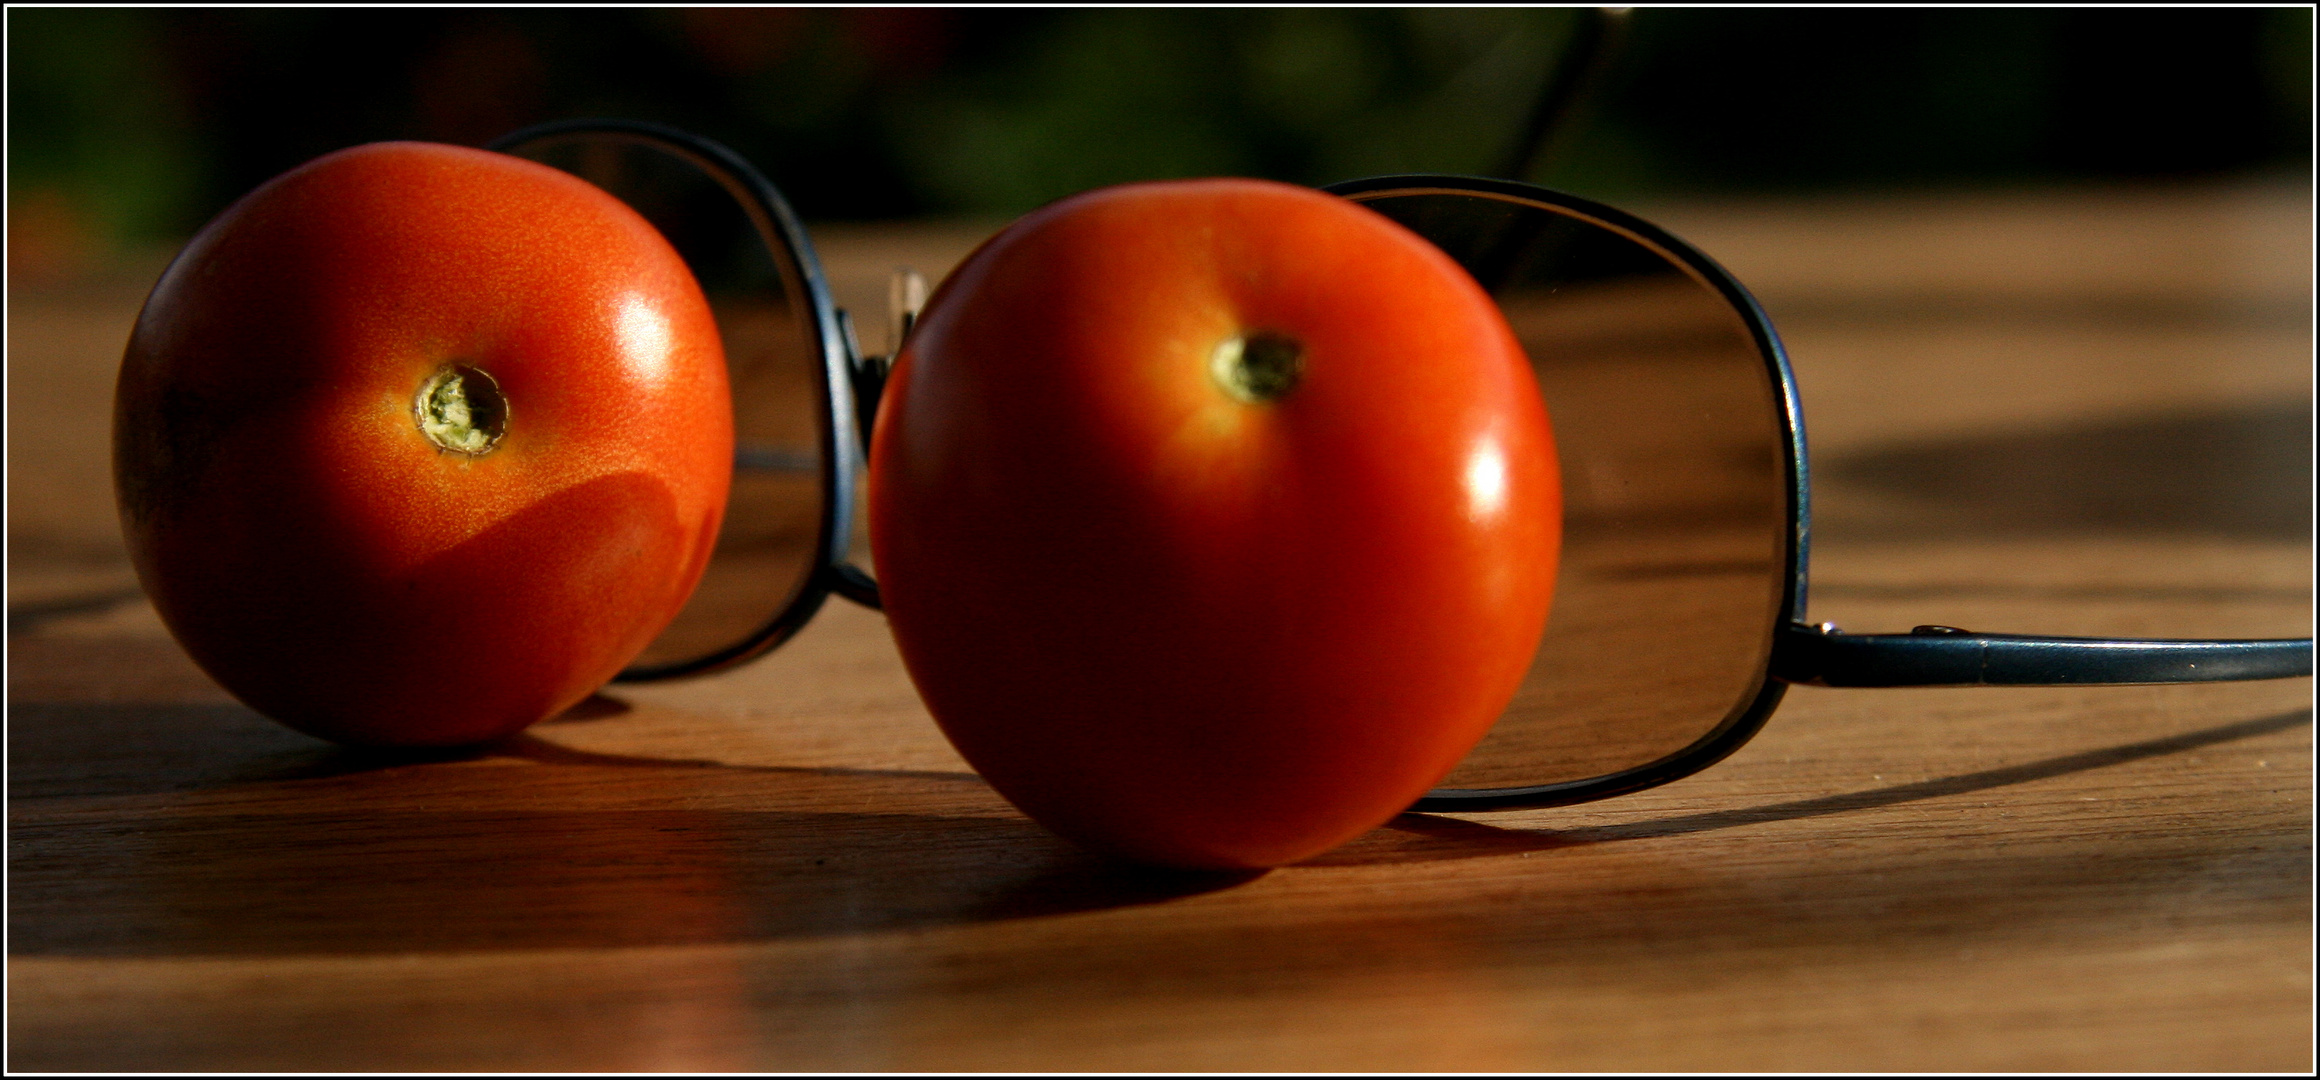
1192,629
301,535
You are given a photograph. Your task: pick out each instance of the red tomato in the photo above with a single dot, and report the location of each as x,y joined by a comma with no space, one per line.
1216,520
303,443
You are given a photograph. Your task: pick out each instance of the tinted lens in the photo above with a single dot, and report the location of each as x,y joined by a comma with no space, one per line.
765,550
1667,417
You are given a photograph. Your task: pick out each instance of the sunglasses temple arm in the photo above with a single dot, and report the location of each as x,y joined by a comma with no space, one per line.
1946,656
1595,40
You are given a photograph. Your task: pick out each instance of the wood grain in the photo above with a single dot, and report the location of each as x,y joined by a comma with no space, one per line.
785,868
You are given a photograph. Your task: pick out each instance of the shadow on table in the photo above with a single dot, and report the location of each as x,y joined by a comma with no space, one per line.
207,830
464,881
221,834
31,615
1426,837
2241,473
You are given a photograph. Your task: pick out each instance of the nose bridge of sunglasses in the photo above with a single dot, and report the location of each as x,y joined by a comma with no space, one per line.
905,296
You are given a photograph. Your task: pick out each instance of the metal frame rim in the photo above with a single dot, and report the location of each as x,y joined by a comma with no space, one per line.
786,240
1748,715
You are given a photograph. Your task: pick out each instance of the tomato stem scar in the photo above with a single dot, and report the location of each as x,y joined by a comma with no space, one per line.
461,410
1258,366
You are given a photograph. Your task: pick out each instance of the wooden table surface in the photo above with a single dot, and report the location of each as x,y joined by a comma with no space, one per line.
2069,412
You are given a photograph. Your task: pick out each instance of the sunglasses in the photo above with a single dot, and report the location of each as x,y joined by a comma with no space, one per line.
1686,501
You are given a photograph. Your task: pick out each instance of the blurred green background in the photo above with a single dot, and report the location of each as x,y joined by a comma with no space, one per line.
129,127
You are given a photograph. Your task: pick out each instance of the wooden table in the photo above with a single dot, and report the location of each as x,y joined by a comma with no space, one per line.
2075,412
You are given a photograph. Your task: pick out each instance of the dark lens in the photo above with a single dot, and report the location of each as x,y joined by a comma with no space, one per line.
765,549
1667,418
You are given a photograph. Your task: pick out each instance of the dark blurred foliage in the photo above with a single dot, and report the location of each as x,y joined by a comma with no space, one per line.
1818,98
140,123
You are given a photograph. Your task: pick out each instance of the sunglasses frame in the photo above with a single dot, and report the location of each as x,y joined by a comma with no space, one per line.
850,384
1823,655
842,378
1747,717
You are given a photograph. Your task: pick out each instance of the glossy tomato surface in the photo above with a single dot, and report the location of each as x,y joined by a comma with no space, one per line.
1215,520
304,454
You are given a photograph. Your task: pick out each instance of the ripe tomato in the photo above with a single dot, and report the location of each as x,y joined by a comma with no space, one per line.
418,444
1216,520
